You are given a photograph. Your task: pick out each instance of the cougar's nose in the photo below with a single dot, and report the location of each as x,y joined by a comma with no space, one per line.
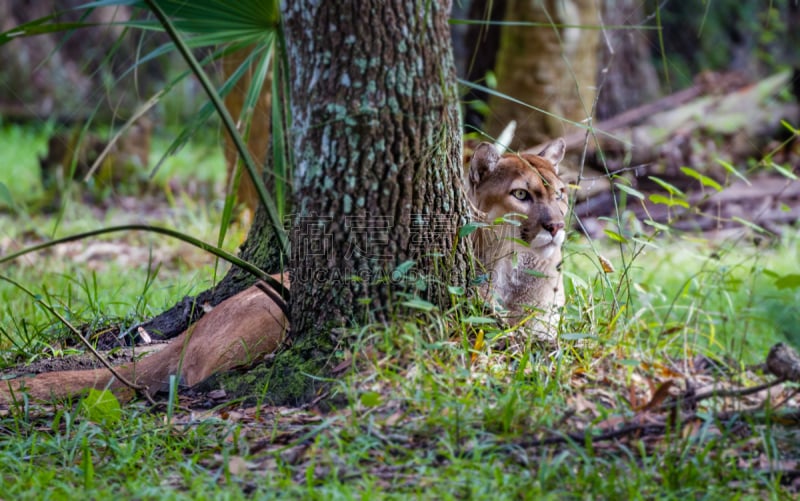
553,228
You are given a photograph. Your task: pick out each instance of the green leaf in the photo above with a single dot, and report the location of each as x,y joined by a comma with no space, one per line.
750,225
656,225
455,290
41,27
661,199
509,219
791,281
86,464
672,189
491,80
784,171
470,228
101,406
480,106
478,321
630,191
704,180
518,241
419,304
230,20
403,268
730,168
613,235
790,128
370,399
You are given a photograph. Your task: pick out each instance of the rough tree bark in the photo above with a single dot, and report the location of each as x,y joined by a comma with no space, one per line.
377,151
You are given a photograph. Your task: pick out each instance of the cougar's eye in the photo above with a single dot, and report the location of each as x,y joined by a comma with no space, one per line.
562,194
520,194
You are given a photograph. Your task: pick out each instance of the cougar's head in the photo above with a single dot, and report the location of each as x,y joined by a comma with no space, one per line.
524,188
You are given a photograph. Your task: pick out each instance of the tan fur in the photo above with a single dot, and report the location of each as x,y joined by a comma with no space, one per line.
492,184
235,332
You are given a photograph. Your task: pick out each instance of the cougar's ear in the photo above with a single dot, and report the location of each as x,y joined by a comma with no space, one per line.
484,160
505,137
554,152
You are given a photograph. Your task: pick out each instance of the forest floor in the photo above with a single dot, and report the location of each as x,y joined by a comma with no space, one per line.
658,385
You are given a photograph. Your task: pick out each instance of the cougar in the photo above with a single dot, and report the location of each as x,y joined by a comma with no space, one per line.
520,197
522,202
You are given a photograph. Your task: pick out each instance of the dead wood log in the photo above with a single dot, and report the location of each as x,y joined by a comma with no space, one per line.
715,108
784,362
766,201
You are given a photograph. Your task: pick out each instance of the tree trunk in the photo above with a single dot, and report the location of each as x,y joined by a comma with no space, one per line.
482,42
551,67
377,148
258,136
627,74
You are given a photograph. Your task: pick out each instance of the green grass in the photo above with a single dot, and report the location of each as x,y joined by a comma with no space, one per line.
201,163
419,418
135,276
718,296
425,413
19,160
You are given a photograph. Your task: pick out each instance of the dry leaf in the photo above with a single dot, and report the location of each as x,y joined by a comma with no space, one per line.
658,396
605,264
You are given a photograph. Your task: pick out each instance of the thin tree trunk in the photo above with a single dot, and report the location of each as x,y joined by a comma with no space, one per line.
258,137
628,76
482,44
551,67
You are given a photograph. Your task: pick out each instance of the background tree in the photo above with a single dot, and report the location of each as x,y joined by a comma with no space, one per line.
551,66
627,77
53,76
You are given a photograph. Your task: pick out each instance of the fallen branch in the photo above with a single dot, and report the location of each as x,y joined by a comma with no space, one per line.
787,417
650,132
685,401
784,362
